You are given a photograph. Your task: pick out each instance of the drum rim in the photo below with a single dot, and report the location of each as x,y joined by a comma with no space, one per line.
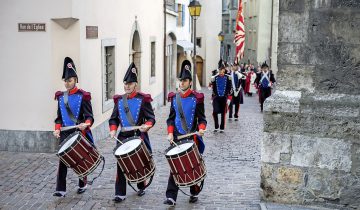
65,140
126,140
135,181
188,184
181,153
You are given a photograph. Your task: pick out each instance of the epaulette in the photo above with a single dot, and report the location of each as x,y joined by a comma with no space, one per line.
57,94
86,95
117,98
213,77
170,96
199,97
147,97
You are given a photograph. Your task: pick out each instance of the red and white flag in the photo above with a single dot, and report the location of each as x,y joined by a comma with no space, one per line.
240,32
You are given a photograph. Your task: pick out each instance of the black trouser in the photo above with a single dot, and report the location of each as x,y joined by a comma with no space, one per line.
264,93
235,101
61,178
216,120
172,189
120,183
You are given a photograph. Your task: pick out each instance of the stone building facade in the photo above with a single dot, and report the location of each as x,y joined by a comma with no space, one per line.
311,147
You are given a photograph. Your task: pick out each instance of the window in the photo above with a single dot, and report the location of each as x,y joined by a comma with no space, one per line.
233,25
224,6
170,5
226,26
153,59
181,15
235,3
108,72
198,41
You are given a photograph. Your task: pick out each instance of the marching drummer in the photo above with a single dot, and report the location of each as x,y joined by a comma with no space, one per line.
131,109
74,108
187,119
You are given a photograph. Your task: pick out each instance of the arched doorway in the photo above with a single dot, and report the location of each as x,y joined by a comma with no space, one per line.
199,69
170,62
136,54
135,49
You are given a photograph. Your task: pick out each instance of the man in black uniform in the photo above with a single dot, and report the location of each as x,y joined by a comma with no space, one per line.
193,113
79,113
221,96
237,95
264,80
139,106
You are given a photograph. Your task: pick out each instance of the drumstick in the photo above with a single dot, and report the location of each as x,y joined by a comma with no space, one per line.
173,142
130,128
118,140
70,127
187,135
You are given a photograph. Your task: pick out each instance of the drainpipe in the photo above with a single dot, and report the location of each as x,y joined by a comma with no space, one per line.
271,30
164,54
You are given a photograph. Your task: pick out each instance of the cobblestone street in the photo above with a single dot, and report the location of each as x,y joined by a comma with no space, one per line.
27,180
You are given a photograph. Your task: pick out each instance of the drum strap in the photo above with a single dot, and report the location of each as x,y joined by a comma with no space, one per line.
127,111
68,110
181,112
201,187
102,169
147,185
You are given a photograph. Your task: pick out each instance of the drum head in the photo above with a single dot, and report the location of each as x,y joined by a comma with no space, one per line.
68,143
179,149
127,147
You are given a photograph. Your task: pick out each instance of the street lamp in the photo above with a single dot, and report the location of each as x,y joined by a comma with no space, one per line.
221,39
194,10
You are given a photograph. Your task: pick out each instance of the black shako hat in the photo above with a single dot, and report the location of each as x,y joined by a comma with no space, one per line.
264,65
221,64
185,72
131,74
69,69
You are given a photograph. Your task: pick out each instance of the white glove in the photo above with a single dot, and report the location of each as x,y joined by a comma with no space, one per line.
228,102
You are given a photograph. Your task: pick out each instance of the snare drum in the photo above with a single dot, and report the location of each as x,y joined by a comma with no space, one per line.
186,164
77,153
135,160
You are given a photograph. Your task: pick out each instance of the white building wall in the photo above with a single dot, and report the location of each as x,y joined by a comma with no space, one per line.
208,28
264,31
27,75
32,62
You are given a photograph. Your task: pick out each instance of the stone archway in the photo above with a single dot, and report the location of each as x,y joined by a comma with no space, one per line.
135,50
170,61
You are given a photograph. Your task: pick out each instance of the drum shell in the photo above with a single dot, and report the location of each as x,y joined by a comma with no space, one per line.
187,167
81,156
137,165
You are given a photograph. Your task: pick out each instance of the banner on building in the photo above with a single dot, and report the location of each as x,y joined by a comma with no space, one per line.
240,32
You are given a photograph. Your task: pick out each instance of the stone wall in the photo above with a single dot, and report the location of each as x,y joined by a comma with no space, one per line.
40,141
311,148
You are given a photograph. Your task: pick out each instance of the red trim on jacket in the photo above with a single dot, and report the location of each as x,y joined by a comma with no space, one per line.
89,122
149,123
186,94
132,95
170,129
57,126
202,126
74,90
113,128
